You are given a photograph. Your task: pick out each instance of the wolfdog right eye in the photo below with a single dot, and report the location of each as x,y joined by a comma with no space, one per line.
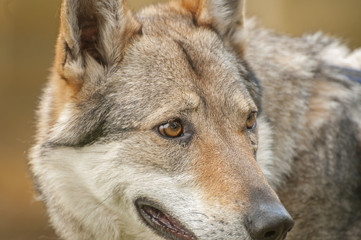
251,121
171,129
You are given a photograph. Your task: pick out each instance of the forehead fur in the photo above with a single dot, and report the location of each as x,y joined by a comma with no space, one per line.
175,59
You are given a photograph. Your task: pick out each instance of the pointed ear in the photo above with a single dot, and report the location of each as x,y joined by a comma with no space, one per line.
224,16
93,34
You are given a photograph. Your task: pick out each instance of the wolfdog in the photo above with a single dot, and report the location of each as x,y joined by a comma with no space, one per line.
186,121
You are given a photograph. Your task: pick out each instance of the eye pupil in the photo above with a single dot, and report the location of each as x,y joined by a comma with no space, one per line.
174,125
172,129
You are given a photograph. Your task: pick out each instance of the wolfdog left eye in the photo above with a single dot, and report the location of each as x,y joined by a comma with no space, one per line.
172,129
251,121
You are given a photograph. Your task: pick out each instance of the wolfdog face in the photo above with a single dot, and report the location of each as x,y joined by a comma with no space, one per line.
148,126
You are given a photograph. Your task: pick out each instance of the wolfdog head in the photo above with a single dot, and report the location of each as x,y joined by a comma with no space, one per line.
147,128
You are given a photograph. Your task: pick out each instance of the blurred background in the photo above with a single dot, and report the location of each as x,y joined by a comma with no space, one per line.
28,30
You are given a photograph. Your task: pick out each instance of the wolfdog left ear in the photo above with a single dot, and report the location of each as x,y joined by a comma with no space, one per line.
227,18
93,34
224,16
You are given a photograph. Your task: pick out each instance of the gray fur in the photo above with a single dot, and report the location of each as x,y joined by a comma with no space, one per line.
98,148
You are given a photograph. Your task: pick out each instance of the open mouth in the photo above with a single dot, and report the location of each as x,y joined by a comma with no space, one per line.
163,224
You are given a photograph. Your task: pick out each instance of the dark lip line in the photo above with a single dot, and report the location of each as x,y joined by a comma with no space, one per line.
163,231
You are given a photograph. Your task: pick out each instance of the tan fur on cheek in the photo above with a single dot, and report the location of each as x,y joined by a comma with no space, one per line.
65,83
62,93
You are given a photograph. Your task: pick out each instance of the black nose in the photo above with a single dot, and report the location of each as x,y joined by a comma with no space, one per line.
269,222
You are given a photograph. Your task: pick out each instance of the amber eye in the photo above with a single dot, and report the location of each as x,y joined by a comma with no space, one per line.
251,121
172,129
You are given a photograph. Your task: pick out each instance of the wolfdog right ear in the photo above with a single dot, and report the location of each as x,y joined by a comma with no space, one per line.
93,34
225,16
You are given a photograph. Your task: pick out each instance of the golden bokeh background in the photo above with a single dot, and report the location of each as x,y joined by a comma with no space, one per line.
28,30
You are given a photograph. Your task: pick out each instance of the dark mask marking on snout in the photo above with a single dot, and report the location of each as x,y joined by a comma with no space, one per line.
161,222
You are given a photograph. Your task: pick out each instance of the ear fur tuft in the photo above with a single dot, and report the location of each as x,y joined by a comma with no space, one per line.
225,16
91,29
